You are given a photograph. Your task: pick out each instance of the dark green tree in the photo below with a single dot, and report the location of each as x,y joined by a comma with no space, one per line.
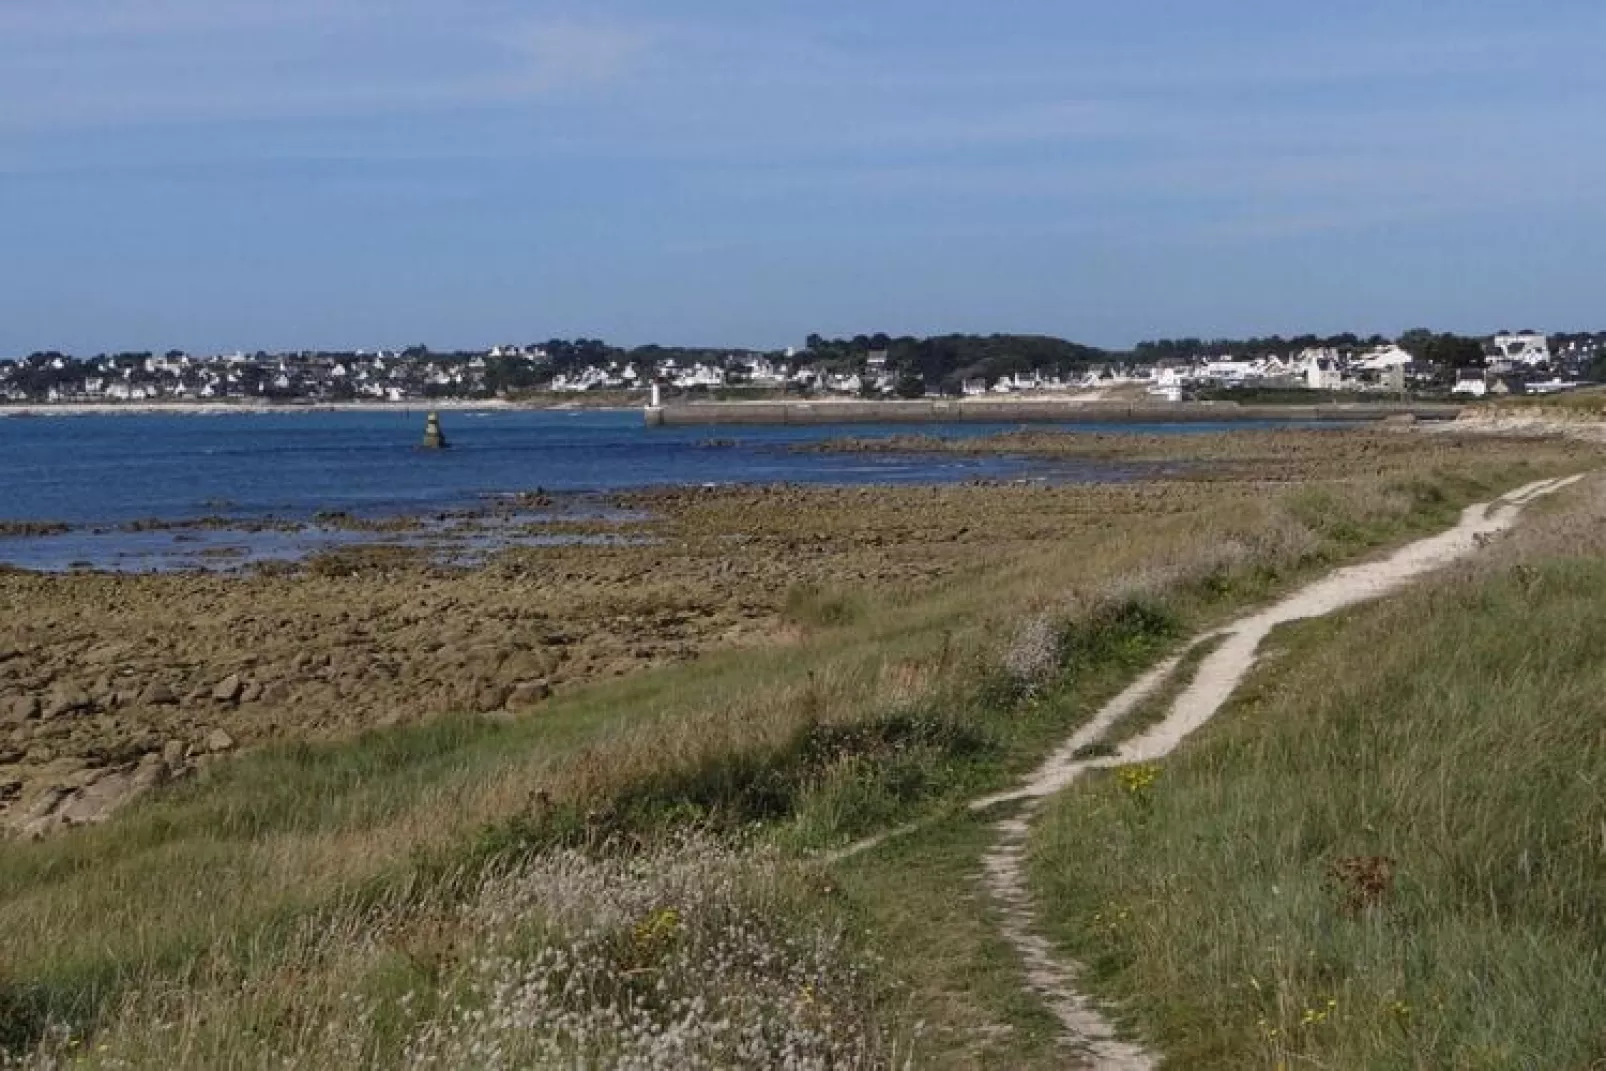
910,385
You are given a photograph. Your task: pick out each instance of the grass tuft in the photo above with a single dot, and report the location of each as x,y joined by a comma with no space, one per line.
816,607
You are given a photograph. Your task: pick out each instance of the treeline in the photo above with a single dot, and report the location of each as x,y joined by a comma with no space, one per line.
946,361
1186,349
940,363
1444,349
1441,348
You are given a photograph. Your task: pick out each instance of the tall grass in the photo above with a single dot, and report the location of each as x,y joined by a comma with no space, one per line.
1390,852
868,718
690,953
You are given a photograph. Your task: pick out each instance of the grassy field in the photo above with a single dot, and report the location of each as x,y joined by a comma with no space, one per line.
1389,852
630,874
1583,403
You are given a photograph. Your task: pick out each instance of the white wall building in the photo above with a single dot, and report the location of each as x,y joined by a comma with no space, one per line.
1383,359
1528,348
1470,381
1231,370
1320,368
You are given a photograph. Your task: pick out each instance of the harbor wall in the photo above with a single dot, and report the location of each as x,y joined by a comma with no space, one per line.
1033,411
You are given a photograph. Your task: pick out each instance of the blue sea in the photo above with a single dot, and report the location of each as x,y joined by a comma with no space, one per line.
99,473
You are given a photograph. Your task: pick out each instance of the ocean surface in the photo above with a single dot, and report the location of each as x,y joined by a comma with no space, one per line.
99,474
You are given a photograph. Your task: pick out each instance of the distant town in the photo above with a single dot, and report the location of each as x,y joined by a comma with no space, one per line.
1419,362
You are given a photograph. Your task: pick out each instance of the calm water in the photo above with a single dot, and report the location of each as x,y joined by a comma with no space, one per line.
104,471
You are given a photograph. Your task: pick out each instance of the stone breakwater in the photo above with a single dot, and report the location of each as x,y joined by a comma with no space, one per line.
1012,411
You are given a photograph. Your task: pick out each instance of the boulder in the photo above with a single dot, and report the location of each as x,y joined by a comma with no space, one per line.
152,771
104,654
529,694
40,809
229,689
23,708
528,665
252,693
157,694
173,753
275,693
67,699
491,697
219,740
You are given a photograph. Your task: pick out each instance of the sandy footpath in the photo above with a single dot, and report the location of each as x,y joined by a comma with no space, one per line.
1087,1031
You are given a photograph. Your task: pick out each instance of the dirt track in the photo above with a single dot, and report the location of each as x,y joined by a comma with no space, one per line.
1086,1030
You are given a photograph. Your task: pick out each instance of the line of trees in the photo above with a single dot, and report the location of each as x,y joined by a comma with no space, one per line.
1444,349
947,361
1182,349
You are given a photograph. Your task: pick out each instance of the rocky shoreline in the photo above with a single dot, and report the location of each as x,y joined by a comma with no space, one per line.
250,408
111,684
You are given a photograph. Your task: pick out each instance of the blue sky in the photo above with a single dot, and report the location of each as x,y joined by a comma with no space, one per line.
219,174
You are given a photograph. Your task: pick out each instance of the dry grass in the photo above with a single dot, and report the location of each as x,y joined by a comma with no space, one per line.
1587,402
1388,852
692,953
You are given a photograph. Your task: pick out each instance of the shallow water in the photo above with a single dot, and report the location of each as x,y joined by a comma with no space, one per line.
98,473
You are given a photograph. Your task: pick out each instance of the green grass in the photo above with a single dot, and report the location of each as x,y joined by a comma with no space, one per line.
811,606
1585,402
1448,746
919,894
878,715
1307,396
1153,710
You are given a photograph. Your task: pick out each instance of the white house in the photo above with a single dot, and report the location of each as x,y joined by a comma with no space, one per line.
1232,370
763,372
1320,368
1383,359
1470,381
1169,376
1528,348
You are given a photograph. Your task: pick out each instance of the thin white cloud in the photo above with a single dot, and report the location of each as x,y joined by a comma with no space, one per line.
768,108
569,53
120,63
50,22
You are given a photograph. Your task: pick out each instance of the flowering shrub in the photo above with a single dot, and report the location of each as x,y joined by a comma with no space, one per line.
689,954
683,957
1138,780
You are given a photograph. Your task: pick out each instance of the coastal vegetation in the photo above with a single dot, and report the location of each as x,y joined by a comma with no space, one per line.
1387,852
1590,402
639,869
875,364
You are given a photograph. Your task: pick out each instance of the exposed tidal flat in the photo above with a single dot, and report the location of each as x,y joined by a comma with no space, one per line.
290,466
146,492
399,784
